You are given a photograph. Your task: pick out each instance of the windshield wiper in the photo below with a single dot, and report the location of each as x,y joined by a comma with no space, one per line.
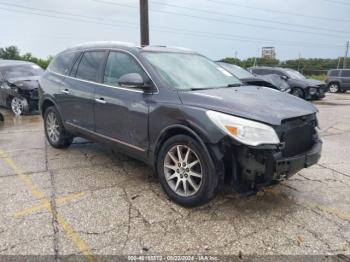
199,88
234,85
217,87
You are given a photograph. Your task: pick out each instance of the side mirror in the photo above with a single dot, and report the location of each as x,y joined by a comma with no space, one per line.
133,80
284,77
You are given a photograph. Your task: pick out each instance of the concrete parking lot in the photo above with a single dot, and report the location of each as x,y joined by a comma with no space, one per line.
89,200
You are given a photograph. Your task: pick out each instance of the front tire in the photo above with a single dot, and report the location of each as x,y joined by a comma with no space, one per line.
298,93
19,105
55,132
334,88
186,172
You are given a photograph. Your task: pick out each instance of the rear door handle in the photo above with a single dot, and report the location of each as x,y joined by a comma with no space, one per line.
65,91
101,100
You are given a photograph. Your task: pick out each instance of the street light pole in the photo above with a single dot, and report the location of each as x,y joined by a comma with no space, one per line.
346,54
144,23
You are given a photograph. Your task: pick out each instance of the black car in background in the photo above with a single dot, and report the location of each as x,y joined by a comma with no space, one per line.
338,80
182,114
19,86
301,86
247,78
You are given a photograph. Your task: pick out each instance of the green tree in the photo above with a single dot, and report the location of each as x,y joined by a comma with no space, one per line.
11,52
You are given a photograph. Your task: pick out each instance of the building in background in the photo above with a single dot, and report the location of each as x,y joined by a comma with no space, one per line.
268,52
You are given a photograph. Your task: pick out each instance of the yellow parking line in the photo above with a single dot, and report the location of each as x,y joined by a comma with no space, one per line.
68,229
341,214
330,210
47,205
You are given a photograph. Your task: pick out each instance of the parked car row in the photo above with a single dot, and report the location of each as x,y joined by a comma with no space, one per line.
272,80
19,86
300,86
195,123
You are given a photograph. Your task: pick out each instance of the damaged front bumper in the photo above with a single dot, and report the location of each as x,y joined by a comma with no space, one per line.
258,168
286,167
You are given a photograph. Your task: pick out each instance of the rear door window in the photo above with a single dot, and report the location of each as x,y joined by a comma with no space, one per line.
119,64
90,65
345,73
63,62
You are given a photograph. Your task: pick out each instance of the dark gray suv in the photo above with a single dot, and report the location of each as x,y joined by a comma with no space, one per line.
182,114
338,80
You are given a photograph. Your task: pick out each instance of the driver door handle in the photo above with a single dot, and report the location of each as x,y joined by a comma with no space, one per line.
100,100
65,91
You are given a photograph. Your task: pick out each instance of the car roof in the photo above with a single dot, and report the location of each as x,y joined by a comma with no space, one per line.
125,46
13,62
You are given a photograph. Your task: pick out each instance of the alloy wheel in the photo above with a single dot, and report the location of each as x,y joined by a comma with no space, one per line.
52,128
333,88
183,170
17,105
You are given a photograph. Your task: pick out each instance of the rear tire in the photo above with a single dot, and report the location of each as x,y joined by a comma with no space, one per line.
55,132
186,172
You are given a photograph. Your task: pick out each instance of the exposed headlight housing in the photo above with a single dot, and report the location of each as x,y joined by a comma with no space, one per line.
245,131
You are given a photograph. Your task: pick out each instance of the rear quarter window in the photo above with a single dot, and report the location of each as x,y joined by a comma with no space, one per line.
63,62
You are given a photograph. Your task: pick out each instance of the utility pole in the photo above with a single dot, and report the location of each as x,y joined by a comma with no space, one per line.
346,54
299,62
144,23
339,60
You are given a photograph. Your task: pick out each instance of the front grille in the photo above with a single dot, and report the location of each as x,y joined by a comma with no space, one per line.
297,135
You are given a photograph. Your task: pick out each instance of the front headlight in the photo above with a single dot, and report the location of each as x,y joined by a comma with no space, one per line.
312,90
245,131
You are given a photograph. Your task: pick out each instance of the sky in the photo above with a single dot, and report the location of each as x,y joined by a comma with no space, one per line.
215,28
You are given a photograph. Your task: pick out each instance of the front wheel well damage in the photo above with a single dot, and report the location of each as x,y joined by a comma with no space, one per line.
8,100
173,132
45,105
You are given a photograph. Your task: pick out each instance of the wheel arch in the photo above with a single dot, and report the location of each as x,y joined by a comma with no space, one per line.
334,82
8,100
170,131
46,103
301,88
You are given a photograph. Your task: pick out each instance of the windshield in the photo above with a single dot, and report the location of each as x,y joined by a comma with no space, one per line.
237,71
190,71
295,74
17,71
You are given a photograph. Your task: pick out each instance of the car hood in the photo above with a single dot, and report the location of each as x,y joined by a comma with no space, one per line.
28,83
256,103
307,82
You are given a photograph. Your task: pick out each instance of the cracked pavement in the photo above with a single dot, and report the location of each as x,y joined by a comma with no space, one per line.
110,204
